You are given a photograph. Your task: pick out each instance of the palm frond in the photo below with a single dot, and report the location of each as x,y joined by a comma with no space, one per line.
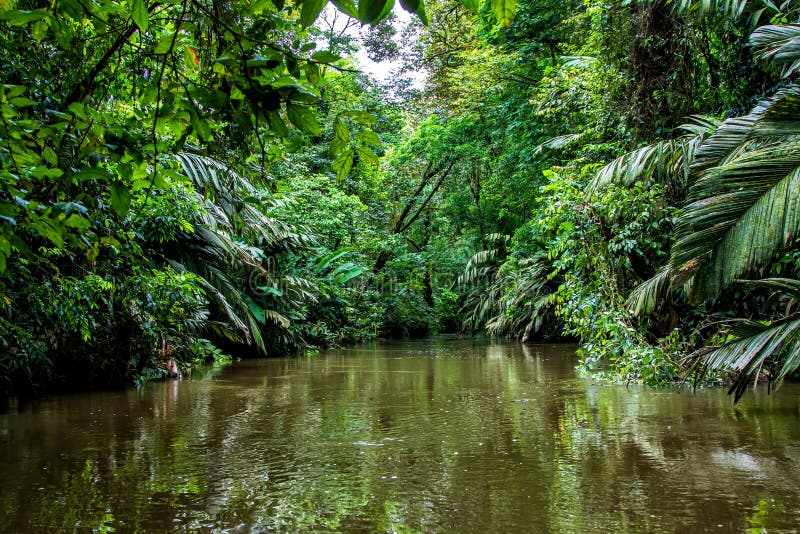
645,297
665,161
785,286
578,62
757,346
736,133
705,8
779,44
557,143
233,320
742,213
238,205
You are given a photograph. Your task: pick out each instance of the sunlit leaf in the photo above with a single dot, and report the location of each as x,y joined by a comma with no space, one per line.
347,7
343,164
139,14
369,137
21,17
504,10
367,155
310,11
371,11
325,56
276,124
471,5
341,136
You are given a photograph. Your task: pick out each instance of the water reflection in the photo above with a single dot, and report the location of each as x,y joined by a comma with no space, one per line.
443,435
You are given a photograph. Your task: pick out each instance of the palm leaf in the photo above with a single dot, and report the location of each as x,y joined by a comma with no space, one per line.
753,349
779,44
666,161
743,213
645,297
736,133
705,8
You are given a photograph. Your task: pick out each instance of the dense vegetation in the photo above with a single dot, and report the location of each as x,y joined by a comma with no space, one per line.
185,180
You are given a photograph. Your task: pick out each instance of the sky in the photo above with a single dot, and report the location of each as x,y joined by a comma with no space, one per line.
380,71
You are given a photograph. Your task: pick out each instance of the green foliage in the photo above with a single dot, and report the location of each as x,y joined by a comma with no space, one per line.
183,179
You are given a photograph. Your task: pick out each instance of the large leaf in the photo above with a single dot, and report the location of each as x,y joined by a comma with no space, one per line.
645,297
140,15
666,161
343,164
703,8
504,10
754,348
372,11
743,213
780,44
120,198
303,117
347,7
310,11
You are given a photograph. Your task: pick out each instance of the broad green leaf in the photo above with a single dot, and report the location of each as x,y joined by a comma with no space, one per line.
164,45
92,173
310,11
343,164
44,228
257,310
362,117
348,7
504,10
270,290
77,222
45,172
22,102
139,14
352,272
93,252
370,11
50,155
367,155
325,56
236,93
21,17
341,136
120,198
303,117
78,110
369,137
202,128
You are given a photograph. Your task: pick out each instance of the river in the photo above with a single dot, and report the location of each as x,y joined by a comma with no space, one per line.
442,435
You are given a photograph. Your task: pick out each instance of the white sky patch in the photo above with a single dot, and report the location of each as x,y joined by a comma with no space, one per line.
381,71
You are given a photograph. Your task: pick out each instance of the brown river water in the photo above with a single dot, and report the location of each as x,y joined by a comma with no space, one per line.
441,435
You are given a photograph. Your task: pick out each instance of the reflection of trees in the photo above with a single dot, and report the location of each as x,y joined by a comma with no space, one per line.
439,436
